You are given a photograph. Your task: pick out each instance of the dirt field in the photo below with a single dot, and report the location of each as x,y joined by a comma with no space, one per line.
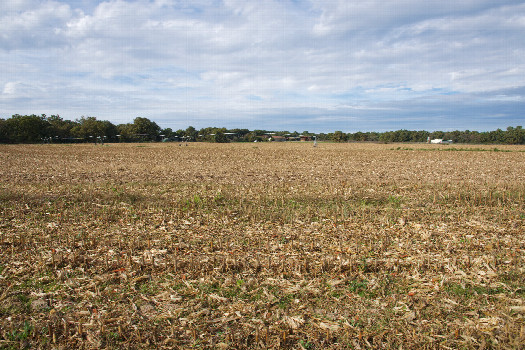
261,246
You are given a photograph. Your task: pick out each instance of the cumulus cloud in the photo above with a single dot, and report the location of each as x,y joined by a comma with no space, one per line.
335,64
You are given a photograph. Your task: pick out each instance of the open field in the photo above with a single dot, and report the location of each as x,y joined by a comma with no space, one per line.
278,245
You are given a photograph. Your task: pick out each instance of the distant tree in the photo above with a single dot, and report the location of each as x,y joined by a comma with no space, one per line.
322,136
402,136
4,132
463,137
145,128
474,137
520,134
372,136
191,133
240,134
250,137
515,136
202,134
90,127
484,137
110,130
387,136
86,127
126,132
168,133
455,136
282,133
26,128
419,136
258,132
220,137
339,136
214,134
60,128
359,136
437,135
497,136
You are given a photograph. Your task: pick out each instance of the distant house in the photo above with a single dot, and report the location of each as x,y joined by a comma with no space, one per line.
441,141
278,138
305,138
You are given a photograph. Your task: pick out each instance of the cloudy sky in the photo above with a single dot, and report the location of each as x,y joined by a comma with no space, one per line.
316,65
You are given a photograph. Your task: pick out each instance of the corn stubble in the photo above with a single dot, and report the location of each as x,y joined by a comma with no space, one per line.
269,246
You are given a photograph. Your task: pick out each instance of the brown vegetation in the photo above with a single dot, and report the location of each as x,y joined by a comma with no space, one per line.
261,246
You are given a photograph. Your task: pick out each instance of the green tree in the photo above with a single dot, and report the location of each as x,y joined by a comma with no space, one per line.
515,136
27,128
497,136
126,132
60,128
190,133
4,131
205,134
110,130
437,135
322,137
359,136
91,128
455,136
387,136
339,136
168,133
240,134
372,136
145,128
220,137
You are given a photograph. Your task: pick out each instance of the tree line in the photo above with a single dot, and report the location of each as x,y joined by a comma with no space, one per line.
54,129
512,135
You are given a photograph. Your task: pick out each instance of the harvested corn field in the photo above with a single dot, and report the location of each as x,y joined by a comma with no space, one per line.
257,246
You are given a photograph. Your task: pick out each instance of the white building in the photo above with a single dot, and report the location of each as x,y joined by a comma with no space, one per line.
441,141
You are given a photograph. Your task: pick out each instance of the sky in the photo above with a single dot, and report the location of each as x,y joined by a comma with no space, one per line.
296,65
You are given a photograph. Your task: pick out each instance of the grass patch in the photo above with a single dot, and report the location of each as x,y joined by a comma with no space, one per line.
469,291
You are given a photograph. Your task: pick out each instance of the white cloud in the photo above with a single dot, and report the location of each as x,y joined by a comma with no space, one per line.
36,27
9,88
13,6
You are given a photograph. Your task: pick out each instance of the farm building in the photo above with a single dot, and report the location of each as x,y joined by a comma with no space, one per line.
277,138
439,141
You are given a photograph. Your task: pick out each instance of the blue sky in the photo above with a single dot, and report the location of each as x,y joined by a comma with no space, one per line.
319,65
